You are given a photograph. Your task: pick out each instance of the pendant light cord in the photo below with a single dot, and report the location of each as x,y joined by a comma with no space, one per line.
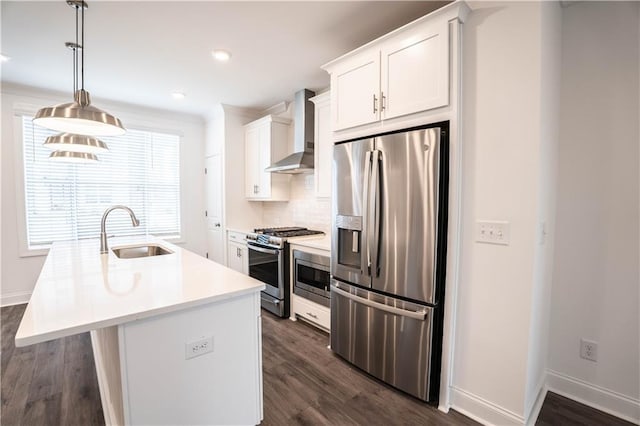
75,59
82,70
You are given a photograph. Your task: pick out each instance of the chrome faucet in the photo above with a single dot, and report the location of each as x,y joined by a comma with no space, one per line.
104,248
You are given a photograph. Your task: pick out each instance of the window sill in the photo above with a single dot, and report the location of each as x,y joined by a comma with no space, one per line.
34,252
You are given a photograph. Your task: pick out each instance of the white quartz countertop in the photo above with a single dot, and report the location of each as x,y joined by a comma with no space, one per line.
80,290
321,242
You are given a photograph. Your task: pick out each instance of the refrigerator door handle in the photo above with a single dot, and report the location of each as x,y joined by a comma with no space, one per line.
366,253
420,315
374,209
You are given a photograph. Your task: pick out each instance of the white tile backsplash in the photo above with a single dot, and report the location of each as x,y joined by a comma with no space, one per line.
302,209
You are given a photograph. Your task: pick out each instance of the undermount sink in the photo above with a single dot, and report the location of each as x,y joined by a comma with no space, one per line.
145,250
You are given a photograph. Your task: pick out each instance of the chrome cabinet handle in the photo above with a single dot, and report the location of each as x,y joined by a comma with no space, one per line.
375,103
312,315
217,225
383,106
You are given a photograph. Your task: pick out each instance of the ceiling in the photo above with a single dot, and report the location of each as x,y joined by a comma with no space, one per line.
140,52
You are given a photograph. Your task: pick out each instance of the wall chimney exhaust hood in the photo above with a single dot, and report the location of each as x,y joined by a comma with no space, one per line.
301,160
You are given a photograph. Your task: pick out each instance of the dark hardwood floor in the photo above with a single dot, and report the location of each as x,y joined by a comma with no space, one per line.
54,383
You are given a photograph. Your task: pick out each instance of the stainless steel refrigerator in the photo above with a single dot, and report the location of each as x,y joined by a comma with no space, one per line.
388,256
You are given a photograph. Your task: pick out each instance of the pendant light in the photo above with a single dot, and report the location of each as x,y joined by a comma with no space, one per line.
79,116
73,157
75,143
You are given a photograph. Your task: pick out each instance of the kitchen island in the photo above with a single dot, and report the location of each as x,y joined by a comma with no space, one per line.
176,337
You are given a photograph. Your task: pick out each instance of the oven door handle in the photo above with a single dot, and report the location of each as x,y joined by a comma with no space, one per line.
262,250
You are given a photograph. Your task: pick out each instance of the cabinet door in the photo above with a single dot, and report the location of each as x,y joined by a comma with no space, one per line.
415,71
244,258
323,150
234,257
264,178
252,162
355,89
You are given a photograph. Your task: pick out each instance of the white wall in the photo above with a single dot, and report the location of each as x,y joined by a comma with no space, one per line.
596,276
302,209
19,274
502,154
550,64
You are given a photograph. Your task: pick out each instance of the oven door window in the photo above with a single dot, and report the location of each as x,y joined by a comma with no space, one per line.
312,277
264,266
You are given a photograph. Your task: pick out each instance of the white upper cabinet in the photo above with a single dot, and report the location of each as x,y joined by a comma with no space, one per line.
265,143
323,151
356,89
415,71
401,73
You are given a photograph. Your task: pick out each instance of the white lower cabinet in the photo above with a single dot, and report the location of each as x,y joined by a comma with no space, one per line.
310,311
147,376
237,256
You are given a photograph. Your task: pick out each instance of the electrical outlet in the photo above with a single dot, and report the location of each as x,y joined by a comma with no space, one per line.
198,347
588,350
493,232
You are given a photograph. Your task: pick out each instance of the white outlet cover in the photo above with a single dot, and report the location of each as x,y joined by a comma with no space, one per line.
493,232
589,350
198,347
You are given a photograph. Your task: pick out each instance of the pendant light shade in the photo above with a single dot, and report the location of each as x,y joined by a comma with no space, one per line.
75,143
79,117
73,157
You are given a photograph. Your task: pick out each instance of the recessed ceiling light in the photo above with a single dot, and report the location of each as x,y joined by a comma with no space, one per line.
4,58
221,55
178,95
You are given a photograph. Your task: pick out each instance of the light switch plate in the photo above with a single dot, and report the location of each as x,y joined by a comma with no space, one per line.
493,232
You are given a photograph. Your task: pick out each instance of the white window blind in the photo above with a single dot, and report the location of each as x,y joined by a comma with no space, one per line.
65,201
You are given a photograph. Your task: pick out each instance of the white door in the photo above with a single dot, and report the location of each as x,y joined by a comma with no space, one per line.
415,71
215,245
213,184
355,91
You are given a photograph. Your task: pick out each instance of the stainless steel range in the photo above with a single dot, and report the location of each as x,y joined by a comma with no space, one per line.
269,263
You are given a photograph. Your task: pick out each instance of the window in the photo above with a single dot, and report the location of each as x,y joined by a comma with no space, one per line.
65,201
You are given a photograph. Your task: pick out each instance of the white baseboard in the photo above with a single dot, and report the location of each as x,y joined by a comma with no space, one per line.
594,396
481,410
537,406
15,298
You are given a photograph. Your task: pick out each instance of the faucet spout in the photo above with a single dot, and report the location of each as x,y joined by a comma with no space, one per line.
104,248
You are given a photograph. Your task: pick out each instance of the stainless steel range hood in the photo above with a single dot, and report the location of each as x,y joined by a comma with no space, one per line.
301,160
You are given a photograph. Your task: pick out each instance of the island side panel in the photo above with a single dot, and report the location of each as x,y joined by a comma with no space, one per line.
223,386
107,359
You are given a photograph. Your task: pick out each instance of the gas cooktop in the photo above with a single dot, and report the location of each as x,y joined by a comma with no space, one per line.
277,237
287,232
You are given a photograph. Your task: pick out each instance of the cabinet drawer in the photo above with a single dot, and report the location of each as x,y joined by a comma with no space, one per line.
237,237
312,312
